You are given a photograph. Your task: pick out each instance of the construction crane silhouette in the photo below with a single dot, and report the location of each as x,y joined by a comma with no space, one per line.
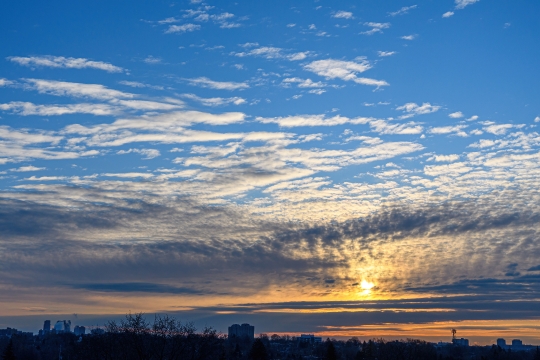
454,334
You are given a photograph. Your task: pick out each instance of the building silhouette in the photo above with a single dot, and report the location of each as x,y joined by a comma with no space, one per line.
310,338
501,343
240,331
62,326
79,330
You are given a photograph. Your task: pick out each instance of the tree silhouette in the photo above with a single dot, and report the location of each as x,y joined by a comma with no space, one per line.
8,353
330,351
258,351
537,354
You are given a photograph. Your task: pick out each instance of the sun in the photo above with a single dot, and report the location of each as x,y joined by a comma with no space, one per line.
366,287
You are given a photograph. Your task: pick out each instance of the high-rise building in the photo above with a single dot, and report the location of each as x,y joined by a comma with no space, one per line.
47,326
310,338
79,330
516,344
240,331
62,326
501,343
461,342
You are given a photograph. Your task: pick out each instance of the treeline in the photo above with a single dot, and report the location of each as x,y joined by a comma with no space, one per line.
169,339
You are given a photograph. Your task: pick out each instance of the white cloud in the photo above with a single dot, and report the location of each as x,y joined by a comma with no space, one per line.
27,169
415,109
216,101
317,91
404,10
375,27
460,4
447,14
313,120
168,21
472,118
344,70
63,62
386,53
182,28
343,15
129,175
537,119
148,153
304,83
218,85
445,158
27,108
136,84
62,88
409,37
5,82
456,115
385,128
269,52
152,60
500,129
454,169
458,130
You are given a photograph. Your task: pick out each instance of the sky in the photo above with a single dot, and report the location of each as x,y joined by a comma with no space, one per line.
345,168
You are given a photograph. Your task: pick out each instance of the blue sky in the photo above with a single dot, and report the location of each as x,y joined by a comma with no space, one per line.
245,152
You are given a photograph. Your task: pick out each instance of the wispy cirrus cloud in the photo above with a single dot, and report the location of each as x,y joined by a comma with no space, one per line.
218,85
404,10
215,101
270,52
64,62
461,4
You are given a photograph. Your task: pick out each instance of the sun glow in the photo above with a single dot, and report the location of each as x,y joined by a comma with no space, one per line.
366,287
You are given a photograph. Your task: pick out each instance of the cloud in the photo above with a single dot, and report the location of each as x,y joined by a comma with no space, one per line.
375,27
385,128
216,101
343,15
269,52
62,88
5,82
26,109
129,175
445,158
304,83
152,60
537,119
457,130
313,120
409,37
415,109
404,10
453,169
218,85
148,153
136,84
175,29
448,14
500,129
460,4
386,53
27,168
344,70
63,62
456,115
